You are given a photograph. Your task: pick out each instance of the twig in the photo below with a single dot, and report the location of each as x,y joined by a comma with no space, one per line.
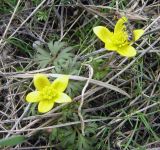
13,14
132,62
32,117
24,22
30,72
136,112
45,25
92,53
152,23
60,18
61,21
56,126
72,77
77,122
152,31
82,98
71,26
145,3
20,118
93,11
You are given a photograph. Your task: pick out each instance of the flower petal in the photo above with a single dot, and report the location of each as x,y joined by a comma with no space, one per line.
103,33
127,51
45,106
40,81
63,98
137,34
61,83
120,25
33,97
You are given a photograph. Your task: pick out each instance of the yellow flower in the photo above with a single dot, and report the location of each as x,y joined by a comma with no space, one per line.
48,93
119,40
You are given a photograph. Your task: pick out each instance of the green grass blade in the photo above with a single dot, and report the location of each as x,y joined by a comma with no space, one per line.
11,141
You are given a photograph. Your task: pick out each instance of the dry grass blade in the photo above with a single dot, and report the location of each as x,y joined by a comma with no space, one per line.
82,98
78,78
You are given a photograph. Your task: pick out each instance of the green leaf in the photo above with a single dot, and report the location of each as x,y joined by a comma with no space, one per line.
67,49
43,60
69,138
42,15
57,54
83,143
72,67
43,63
11,141
56,47
54,134
42,51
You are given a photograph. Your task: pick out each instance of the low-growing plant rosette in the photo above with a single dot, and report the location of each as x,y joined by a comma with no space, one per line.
47,93
119,39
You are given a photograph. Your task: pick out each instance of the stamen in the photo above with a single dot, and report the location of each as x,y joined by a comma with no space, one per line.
48,93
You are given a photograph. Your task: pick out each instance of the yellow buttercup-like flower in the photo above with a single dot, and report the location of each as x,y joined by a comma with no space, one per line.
47,93
119,39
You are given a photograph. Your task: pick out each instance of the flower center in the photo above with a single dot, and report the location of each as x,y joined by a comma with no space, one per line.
48,93
121,39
